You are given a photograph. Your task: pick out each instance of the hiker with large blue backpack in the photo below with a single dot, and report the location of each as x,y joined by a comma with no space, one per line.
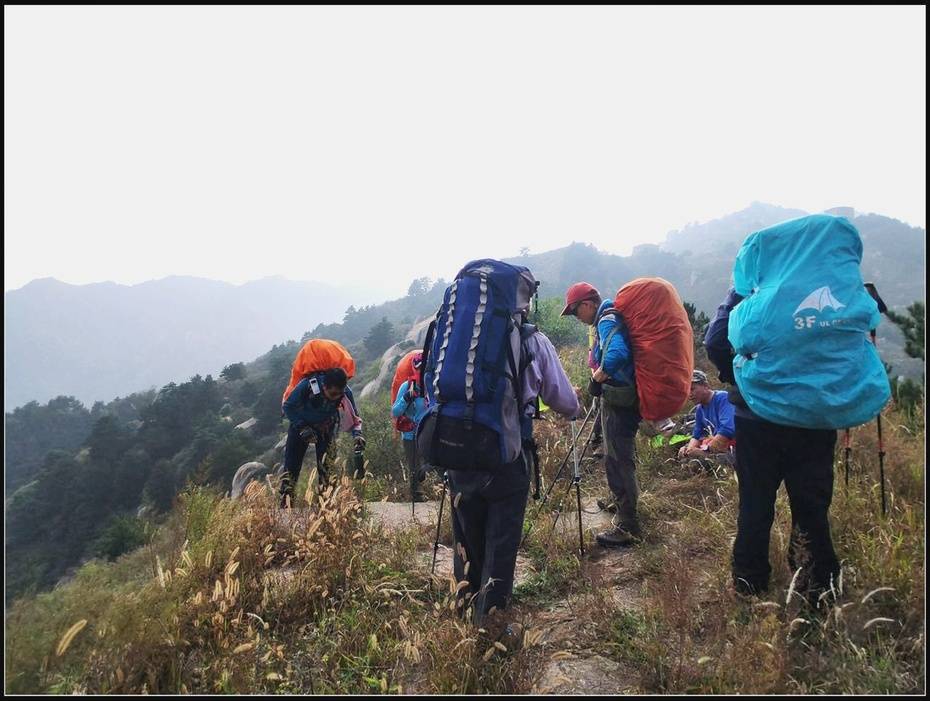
792,336
484,367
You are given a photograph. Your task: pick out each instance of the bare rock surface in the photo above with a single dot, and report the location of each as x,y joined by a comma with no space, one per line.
394,515
584,675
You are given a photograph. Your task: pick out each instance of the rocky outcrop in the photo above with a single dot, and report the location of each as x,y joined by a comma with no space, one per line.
414,339
245,474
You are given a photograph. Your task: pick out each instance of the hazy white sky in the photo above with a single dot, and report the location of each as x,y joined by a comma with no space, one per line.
389,143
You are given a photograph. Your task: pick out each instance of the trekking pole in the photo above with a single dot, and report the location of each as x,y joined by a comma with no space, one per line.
442,501
555,521
882,309
577,483
584,450
881,445
567,456
848,449
881,460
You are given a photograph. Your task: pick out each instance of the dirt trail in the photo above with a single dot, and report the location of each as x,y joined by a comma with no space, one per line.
576,669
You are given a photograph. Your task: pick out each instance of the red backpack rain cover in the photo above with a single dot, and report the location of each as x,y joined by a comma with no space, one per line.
663,345
316,355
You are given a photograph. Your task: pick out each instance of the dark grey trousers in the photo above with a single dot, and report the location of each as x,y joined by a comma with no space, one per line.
619,428
487,524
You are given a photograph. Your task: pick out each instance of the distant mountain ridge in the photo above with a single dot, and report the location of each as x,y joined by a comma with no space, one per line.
103,340
106,340
698,260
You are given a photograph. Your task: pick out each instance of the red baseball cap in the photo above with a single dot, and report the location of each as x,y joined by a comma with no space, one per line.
578,293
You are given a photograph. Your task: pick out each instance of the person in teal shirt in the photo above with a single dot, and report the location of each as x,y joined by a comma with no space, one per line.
411,404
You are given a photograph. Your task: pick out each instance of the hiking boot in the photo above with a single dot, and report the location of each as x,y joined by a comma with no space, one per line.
607,505
418,497
617,537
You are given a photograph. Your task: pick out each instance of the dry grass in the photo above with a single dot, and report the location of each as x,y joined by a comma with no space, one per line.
240,597
698,636
237,597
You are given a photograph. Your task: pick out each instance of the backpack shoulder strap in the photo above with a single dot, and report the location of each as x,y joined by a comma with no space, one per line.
605,343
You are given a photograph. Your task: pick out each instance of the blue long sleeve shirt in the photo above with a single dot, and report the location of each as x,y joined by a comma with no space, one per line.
617,359
303,408
414,410
715,419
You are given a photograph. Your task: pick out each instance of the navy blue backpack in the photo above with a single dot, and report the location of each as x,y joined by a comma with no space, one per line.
473,359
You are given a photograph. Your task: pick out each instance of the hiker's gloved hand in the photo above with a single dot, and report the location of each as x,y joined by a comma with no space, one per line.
306,434
594,388
359,443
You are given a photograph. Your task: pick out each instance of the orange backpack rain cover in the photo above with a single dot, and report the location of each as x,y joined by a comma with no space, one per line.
663,345
318,354
404,373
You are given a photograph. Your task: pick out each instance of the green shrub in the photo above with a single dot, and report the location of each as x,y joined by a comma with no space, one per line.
123,534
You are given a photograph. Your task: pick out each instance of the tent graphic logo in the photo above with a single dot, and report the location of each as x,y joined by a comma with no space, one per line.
820,299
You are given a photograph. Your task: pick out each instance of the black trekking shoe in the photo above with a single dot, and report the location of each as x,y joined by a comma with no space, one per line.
617,537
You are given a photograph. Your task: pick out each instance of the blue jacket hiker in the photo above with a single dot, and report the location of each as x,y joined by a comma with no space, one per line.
715,418
612,372
411,403
714,421
413,407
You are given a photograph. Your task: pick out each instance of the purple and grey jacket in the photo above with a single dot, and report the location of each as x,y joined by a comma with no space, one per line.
545,377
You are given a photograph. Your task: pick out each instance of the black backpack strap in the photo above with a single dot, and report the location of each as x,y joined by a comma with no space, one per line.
532,448
430,332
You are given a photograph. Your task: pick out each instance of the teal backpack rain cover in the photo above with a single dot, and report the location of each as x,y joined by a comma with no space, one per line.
801,334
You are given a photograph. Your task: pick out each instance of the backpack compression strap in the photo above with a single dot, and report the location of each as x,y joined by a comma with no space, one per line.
473,349
447,332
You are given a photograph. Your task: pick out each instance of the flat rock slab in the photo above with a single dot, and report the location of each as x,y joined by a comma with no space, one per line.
584,675
444,564
394,515
397,514
592,518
